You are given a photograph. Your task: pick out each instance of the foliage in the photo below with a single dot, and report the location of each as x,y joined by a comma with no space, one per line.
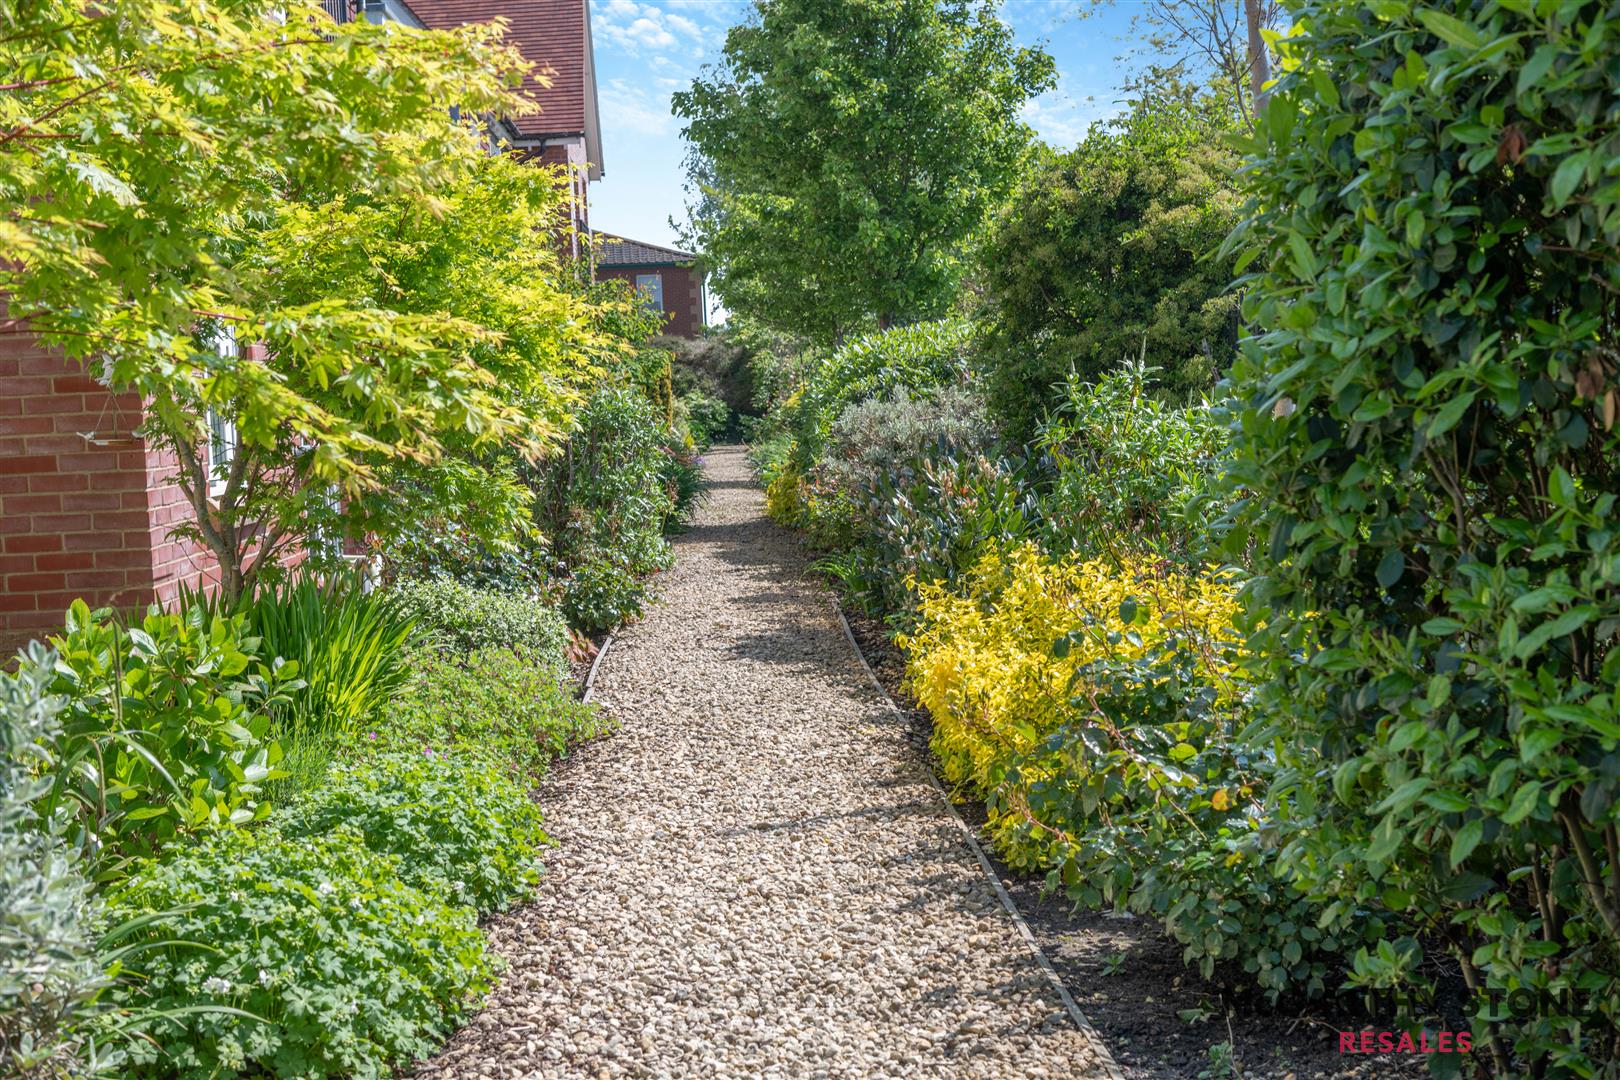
1128,473
903,362
49,970
1109,253
603,507
1424,431
683,482
318,959
467,619
718,365
460,824
347,643
844,149
160,142
1096,708
505,701
707,418
165,728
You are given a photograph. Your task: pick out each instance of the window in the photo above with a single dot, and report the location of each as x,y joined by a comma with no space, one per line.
221,428
651,288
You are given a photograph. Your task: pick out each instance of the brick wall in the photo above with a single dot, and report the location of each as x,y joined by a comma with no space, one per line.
83,510
683,298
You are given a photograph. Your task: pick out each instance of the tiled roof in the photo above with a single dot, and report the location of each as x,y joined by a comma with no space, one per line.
549,33
617,251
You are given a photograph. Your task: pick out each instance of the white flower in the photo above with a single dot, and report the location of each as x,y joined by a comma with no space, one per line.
265,978
325,888
357,903
216,985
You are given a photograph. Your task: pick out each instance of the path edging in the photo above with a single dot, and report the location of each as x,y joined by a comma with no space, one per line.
590,676
1110,1066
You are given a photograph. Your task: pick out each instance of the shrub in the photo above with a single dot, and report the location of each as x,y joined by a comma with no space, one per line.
603,508
1097,711
1110,252
49,969
458,822
1426,444
164,728
683,483
890,363
467,618
337,967
707,418
870,437
507,702
1130,475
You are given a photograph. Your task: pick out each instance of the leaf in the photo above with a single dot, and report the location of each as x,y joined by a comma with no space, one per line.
1567,177
1452,30
1566,624
1404,796
1451,412
1524,802
1467,887
1391,567
1466,840
1540,62
1183,752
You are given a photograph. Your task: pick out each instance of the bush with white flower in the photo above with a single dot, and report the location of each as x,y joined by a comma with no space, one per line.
308,956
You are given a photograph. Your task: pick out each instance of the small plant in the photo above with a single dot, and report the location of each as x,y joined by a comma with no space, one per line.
465,618
348,644
165,728
1115,963
310,956
1222,1063
49,970
459,824
507,702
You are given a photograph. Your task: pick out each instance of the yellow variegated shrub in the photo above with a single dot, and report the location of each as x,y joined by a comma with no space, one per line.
995,661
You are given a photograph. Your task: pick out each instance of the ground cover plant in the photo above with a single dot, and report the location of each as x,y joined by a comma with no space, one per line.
460,824
322,959
507,701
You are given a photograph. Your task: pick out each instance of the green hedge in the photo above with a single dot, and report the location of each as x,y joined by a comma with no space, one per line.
1425,441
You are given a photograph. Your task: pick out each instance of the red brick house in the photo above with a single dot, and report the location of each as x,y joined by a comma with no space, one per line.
668,279
86,506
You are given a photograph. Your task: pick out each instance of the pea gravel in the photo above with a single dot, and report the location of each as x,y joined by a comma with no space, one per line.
755,876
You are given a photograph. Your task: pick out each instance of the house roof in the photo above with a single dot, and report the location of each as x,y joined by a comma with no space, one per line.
614,250
554,35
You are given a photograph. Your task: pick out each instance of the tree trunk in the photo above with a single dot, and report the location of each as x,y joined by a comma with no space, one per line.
1259,65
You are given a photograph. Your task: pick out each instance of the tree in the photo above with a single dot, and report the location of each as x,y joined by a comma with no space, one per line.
143,144
843,150
1221,40
1108,254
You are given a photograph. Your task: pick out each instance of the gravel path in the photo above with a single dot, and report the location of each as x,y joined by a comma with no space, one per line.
754,877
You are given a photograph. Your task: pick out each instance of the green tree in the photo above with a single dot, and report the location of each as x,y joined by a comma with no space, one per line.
843,150
1108,254
144,143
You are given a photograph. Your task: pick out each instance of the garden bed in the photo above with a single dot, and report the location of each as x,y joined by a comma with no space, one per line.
1158,1018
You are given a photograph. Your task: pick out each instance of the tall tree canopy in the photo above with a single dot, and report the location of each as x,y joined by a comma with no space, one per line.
843,150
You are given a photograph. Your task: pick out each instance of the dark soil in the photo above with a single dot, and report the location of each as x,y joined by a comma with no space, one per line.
1160,1019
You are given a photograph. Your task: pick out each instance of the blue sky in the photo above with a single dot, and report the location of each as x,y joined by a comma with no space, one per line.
648,49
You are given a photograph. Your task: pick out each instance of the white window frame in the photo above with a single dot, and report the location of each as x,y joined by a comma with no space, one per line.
222,441
653,297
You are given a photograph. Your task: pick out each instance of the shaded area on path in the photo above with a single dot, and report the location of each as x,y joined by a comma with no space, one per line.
754,876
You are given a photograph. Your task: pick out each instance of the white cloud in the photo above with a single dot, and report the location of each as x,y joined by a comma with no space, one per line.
626,107
1062,121
634,26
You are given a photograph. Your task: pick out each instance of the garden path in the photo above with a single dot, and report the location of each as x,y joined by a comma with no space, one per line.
755,876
